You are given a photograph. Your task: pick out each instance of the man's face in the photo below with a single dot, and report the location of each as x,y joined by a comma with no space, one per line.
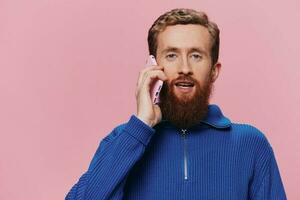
184,52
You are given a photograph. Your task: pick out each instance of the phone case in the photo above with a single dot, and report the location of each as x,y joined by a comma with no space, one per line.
155,90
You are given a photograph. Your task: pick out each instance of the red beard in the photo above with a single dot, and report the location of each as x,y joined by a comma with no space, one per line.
185,112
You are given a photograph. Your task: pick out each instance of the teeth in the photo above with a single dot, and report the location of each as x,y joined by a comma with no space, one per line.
184,85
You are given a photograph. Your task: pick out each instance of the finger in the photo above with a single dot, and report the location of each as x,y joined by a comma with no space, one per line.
150,67
148,79
150,76
147,69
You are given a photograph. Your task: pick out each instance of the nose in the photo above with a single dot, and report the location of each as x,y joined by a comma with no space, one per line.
185,67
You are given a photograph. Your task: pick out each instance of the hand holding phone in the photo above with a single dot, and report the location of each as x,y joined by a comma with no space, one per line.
149,84
155,89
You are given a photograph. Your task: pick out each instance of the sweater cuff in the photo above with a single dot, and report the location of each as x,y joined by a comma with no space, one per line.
139,130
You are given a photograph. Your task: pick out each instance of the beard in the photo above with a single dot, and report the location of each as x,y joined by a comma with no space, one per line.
185,111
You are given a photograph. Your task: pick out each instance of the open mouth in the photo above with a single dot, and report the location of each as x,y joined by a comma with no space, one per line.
184,84
184,87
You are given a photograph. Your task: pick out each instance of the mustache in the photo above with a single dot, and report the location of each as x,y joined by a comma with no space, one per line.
183,78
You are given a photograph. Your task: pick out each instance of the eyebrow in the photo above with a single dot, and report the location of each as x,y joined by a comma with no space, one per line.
175,49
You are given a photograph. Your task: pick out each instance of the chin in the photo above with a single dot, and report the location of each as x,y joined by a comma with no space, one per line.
184,95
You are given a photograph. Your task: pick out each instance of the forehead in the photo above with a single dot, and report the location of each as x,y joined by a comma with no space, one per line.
184,37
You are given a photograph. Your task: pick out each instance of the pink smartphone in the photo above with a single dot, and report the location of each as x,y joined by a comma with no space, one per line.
155,90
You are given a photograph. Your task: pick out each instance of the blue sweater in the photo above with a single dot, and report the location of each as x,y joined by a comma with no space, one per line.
216,159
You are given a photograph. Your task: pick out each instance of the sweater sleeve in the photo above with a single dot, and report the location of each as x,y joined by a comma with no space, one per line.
115,156
267,183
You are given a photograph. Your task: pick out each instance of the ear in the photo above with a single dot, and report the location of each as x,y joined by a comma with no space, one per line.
215,71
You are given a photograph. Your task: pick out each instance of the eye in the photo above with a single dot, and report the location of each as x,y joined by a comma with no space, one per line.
197,56
171,56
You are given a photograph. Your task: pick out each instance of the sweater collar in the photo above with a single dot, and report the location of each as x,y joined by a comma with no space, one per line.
214,118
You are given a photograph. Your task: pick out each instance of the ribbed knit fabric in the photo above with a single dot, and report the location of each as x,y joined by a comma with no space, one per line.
214,160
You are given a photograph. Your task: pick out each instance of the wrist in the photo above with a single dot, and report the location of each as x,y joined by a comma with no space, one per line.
147,122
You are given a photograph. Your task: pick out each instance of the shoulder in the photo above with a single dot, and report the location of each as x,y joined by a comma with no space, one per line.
248,131
250,136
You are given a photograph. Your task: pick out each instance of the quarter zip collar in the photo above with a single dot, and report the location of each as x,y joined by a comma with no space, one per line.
214,118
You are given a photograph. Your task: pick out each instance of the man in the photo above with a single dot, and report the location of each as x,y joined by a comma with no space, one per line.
183,147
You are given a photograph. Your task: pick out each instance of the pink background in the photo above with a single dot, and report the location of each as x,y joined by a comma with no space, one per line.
68,71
